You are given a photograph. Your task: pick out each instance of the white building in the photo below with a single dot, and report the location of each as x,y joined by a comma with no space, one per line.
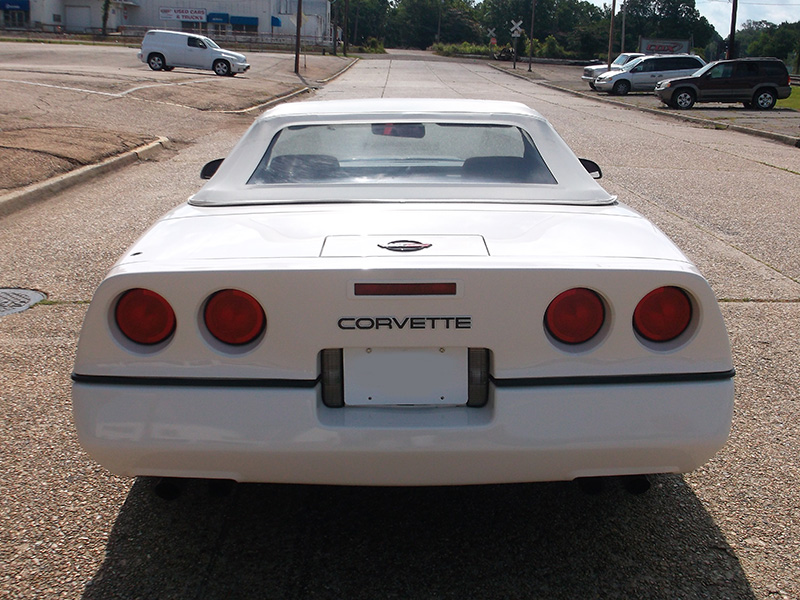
268,18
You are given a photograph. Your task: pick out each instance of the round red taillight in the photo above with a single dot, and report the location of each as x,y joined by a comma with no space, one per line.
575,316
234,317
144,317
663,314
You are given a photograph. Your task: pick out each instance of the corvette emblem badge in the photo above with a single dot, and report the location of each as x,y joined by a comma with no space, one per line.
405,246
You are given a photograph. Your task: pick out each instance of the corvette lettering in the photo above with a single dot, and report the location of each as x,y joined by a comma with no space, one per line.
417,322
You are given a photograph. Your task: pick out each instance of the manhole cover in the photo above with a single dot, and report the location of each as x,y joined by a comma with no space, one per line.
15,300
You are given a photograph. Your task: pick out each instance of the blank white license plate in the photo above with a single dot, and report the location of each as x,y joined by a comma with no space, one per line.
405,376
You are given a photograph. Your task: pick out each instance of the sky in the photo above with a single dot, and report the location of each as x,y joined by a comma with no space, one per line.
718,12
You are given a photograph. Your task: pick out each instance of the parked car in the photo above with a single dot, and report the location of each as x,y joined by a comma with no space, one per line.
591,72
402,292
165,50
756,82
643,73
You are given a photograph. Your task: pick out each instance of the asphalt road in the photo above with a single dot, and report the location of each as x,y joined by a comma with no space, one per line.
69,529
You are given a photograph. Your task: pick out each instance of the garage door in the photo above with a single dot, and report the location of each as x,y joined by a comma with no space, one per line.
78,18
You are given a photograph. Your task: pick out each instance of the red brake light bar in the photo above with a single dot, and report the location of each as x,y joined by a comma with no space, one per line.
405,289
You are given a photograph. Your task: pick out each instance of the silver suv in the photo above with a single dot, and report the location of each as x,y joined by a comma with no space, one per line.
643,73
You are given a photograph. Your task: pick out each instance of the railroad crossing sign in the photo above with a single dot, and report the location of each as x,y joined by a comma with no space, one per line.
516,28
491,32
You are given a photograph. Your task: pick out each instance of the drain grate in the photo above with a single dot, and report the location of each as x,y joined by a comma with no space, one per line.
16,300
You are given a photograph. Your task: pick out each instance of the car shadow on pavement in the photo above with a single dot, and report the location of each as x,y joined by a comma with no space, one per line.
502,541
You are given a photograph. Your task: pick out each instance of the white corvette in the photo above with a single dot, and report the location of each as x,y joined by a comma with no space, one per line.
402,292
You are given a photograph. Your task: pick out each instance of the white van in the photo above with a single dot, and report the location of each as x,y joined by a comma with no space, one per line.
165,50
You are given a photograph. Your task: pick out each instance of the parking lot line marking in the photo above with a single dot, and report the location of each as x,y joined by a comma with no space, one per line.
99,93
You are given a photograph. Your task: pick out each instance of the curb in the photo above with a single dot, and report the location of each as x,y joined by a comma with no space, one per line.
37,192
354,60
710,123
289,95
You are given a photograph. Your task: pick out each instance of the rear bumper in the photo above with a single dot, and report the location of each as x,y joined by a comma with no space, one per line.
286,435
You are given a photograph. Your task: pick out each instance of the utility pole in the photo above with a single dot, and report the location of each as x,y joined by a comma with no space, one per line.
297,37
346,14
530,50
439,25
732,37
334,23
622,42
611,31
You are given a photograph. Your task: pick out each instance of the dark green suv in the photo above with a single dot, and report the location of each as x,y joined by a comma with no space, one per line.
756,82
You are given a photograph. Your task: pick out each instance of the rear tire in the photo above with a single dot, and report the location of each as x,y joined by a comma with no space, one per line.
591,85
765,99
683,99
222,67
621,88
156,62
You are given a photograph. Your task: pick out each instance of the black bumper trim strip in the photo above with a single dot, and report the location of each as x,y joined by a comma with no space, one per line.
614,379
194,381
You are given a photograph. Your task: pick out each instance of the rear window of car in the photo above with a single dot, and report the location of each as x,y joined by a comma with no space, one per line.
400,152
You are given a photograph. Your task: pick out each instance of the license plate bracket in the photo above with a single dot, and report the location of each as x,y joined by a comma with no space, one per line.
405,376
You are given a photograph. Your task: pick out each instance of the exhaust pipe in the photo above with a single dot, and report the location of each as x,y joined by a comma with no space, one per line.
636,484
633,484
169,488
591,486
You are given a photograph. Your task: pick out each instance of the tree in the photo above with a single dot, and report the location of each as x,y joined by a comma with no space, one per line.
779,41
418,23
367,20
666,19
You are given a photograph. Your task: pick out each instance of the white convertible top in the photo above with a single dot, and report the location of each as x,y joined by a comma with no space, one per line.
234,184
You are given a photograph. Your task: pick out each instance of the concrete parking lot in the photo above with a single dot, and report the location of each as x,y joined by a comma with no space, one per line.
70,529
781,124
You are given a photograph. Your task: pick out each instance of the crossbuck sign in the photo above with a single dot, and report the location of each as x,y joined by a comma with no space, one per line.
516,28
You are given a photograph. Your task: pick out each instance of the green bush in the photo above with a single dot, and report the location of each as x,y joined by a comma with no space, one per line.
461,49
551,49
372,46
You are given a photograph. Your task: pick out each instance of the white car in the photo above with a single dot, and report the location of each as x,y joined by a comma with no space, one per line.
164,50
592,72
402,292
